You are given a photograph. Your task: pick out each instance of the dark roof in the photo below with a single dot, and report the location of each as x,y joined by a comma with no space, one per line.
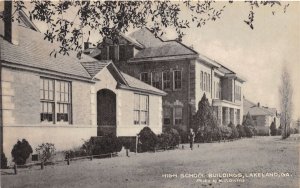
127,82
33,51
135,83
95,67
156,47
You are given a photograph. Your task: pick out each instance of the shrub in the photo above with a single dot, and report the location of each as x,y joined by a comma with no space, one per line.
263,131
147,140
278,132
248,131
241,130
170,138
21,151
46,151
235,133
104,145
273,129
226,132
183,135
3,161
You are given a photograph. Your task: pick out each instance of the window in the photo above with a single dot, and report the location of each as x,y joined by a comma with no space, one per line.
167,115
166,80
237,92
47,100
208,78
178,115
122,52
141,104
156,80
63,101
144,76
177,79
201,80
204,82
58,102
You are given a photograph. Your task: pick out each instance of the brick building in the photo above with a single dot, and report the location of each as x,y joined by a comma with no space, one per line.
184,74
64,100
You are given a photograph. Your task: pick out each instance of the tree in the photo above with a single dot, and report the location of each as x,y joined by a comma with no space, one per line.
285,93
273,129
249,125
108,18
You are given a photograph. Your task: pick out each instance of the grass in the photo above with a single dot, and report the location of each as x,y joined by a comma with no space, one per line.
245,156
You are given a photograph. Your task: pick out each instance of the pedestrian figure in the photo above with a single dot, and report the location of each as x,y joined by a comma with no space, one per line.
191,138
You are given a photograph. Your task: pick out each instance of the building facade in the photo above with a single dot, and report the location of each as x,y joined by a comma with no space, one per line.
64,100
184,74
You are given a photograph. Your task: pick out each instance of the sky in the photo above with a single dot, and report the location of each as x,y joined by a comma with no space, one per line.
257,55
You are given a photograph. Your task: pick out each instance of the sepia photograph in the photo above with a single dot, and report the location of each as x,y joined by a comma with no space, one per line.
143,94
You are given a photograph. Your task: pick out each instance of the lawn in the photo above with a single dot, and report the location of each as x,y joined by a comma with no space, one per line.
255,162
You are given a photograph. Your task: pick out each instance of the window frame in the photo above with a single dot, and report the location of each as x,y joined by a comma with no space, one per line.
139,110
174,80
56,101
158,81
166,81
175,117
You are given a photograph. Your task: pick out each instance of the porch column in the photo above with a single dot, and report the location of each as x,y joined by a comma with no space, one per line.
227,116
219,114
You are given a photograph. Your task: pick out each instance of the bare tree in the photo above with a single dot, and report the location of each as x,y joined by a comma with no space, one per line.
286,92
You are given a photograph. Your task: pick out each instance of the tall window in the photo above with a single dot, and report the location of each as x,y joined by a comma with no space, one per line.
47,100
167,115
63,101
178,115
51,102
177,79
141,106
237,92
208,82
156,80
204,81
201,80
145,77
166,80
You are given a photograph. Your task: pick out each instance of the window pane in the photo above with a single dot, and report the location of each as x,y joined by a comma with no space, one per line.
143,118
136,117
136,102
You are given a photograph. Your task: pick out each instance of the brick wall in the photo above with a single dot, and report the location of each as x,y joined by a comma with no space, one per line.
181,95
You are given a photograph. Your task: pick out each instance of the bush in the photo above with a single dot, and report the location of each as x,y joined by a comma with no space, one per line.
263,131
21,151
183,135
170,138
104,145
248,131
46,151
278,132
235,133
273,129
129,143
241,130
226,132
147,140
3,161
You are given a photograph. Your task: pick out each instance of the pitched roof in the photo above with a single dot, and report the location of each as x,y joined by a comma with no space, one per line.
254,110
156,47
33,51
135,83
124,80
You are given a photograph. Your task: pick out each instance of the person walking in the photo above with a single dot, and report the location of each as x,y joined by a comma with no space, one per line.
191,138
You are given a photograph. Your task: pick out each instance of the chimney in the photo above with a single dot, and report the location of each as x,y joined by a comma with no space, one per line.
86,45
10,23
258,104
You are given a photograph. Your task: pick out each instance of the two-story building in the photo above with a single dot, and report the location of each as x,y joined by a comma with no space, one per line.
184,74
64,100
